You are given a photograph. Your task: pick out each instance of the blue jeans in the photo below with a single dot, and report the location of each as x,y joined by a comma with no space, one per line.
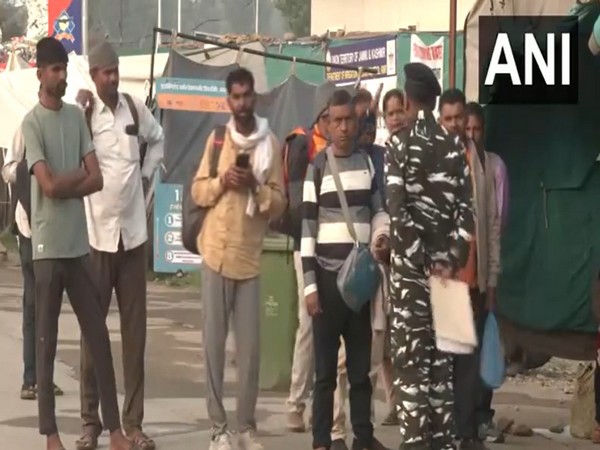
25,253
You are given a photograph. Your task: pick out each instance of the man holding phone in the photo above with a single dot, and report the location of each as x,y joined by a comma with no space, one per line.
247,193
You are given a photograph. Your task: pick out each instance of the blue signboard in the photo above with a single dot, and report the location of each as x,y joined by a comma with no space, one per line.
65,23
378,54
169,254
183,94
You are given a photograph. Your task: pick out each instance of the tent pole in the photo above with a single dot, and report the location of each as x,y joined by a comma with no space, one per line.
256,13
178,15
152,60
452,39
251,51
84,26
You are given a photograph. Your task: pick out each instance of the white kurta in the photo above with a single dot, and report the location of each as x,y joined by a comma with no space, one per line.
118,211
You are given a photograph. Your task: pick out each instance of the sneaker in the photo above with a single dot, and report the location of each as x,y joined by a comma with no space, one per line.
489,433
338,444
295,422
221,441
28,392
247,441
472,444
58,391
515,368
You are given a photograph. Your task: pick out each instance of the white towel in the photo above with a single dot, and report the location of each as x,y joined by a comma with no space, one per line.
260,140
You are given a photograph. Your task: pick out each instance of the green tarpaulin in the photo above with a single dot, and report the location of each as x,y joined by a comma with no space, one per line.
551,245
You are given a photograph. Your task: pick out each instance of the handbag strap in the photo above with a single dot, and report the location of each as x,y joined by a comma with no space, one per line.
341,194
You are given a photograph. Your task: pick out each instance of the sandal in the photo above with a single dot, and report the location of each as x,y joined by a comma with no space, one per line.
88,441
596,434
141,441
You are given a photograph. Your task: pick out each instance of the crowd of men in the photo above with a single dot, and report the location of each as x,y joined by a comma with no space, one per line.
431,203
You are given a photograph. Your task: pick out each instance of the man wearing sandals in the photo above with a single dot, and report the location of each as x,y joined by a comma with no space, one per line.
116,219
62,159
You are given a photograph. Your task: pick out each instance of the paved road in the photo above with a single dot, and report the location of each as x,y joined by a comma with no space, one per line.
175,411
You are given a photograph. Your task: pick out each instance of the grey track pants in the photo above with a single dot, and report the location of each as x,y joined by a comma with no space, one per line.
222,299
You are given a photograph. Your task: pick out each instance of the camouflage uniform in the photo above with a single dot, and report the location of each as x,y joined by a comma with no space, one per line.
429,194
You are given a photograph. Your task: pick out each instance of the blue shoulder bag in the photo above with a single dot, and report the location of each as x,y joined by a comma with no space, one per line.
359,277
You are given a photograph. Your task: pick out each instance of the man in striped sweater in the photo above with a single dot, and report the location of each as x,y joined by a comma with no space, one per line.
325,245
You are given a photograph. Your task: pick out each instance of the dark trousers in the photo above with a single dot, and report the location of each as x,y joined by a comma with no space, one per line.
337,320
125,273
76,276
597,391
26,256
423,373
472,399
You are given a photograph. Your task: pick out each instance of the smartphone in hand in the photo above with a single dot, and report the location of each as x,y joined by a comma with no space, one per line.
242,160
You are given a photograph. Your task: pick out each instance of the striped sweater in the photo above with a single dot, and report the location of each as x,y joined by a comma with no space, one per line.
326,242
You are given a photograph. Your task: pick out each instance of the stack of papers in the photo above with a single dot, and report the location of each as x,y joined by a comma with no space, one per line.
452,316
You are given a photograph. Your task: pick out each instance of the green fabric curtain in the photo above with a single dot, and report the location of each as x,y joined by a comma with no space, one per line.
551,245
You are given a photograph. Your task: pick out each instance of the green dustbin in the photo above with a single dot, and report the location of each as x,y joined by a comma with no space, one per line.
279,313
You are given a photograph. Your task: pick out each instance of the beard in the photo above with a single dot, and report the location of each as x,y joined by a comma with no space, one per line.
59,90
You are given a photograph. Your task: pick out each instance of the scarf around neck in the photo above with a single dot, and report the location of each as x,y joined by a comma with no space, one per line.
259,142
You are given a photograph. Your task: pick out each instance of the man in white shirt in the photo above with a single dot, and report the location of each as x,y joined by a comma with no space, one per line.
116,219
18,178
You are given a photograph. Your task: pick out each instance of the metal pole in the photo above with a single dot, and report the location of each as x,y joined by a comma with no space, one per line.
159,20
256,12
178,15
250,51
152,59
84,26
452,38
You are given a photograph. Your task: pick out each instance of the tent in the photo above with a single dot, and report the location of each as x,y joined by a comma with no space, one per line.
551,244
18,90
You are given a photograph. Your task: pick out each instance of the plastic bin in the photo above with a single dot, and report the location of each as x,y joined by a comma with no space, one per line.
279,313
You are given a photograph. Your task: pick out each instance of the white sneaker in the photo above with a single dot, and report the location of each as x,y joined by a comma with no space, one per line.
247,441
221,442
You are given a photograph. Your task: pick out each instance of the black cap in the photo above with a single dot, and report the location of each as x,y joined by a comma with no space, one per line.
421,83
50,51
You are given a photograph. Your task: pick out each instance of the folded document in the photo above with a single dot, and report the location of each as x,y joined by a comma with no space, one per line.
452,316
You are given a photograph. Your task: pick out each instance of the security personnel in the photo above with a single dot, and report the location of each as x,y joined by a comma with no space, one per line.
429,195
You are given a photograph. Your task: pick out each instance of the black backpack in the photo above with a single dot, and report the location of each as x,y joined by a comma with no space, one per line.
21,191
193,215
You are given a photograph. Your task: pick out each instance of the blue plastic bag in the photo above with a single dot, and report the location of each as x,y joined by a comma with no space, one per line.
492,367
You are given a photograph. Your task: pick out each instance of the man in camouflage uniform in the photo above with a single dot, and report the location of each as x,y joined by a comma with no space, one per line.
429,194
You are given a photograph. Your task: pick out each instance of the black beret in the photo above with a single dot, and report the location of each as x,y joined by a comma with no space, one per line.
420,81
50,51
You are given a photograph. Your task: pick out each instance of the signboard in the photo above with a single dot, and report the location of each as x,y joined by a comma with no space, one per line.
65,23
430,55
169,254
189,94
185,94
378,54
